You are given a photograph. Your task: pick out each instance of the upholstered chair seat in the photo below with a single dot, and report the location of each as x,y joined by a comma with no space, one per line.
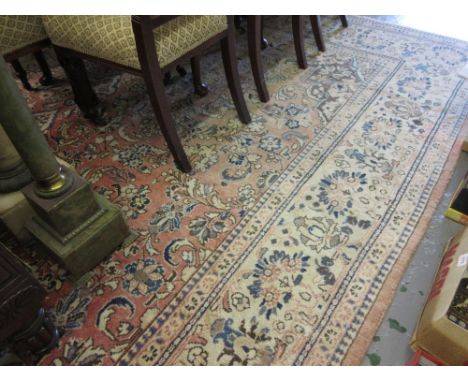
144,45
18,32
111,37
22,35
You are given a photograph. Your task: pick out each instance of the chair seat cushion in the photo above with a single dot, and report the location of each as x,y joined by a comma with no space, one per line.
111,37
17,32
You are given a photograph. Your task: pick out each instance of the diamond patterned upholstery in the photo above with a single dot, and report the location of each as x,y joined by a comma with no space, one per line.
17,32
111,37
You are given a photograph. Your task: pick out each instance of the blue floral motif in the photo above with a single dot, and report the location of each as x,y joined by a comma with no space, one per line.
292,110
337,190
237,159
270,143
245,141
167,219
414,88
292,123
275,276
222,330
143,277
381,132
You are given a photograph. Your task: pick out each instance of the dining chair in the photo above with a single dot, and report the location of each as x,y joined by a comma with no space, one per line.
22,35
317,29
146,45
255,39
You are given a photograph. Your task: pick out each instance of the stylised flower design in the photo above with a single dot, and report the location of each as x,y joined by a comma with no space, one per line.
404,108
292,110
70,312
143,277
237,158
338,190
197,356
203,157
292,123
167,219
209,227
275,277
270,143
131,158
319,233
380,132
247,196
245,345
137,200
414,88
317,91
134,157
240,301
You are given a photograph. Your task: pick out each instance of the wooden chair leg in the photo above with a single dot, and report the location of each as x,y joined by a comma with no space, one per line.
153,77
344,21
200,87
47,78
21,73
254,39
237,21
181,70
263,40
298,33
228,48
317,29
85,97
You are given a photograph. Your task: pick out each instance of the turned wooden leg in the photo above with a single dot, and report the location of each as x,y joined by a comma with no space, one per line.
153,77
228,48
21,73
317,29
200,87
85,97
254,39
344,21
298,33
47,78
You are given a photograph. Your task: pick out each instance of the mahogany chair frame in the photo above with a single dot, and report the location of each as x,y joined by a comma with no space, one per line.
35,49
152,74
255,38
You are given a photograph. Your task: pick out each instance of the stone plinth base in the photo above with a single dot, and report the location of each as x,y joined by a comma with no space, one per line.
86,246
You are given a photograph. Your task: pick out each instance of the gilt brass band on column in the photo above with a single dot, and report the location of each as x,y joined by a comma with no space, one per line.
22,130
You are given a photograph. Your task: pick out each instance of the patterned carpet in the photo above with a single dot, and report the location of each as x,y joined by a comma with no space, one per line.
286,244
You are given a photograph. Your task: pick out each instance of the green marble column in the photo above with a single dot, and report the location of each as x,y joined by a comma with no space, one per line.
23,131
13,172
75,225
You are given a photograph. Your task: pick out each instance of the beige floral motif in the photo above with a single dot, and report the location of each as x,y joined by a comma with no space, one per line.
319,233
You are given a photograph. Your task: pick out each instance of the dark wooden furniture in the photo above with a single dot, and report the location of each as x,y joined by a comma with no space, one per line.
152,74
255,39
24,328
317,29
35,49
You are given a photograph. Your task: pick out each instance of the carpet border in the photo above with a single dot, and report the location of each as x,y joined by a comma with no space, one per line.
374,318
